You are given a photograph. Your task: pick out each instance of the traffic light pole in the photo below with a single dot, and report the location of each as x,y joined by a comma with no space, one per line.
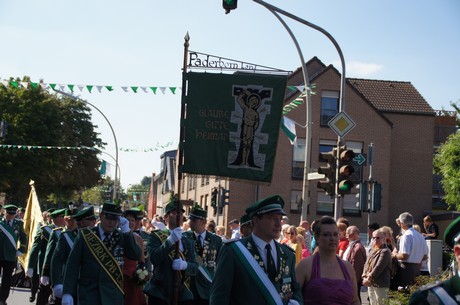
305,191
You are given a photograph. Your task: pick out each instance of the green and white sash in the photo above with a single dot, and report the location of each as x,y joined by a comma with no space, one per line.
104,257
68,240
256,272
206,274
444,296
8,233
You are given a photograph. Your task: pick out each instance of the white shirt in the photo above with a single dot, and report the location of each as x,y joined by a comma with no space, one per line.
236,233
413,243
263,252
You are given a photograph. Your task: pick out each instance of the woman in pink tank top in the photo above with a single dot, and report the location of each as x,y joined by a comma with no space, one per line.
324,277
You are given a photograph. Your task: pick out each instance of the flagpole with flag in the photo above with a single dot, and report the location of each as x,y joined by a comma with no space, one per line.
32,218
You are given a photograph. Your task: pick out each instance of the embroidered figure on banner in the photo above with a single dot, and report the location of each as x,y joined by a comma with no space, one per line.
250,112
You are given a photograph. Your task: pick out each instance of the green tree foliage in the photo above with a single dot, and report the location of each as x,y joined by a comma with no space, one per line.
36,117
447,164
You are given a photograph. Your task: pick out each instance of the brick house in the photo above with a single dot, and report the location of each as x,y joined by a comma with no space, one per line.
390,114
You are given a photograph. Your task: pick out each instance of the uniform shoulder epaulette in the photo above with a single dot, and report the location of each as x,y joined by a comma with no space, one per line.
161,234
287,247
229,241
429,286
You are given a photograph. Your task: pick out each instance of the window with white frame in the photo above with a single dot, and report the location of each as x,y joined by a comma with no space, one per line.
329,106
298,159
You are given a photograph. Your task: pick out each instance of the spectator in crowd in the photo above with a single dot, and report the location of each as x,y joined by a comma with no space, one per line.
284,220
283,237
343,241
376,274
323,277
389,239
412,250
293,243
235,228
431,228
220,231
355,254
424,264
301,241
306,225
211,226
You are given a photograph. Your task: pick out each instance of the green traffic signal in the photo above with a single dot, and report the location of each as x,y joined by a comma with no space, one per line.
229,5
346,169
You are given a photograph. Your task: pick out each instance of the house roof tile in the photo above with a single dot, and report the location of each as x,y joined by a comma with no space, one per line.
392,96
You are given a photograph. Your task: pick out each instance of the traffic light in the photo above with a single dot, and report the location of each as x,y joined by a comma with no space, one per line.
229,5
214,200
363,196
328,184
346,169
377,197
223,200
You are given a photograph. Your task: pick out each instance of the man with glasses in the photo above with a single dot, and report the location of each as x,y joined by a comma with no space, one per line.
94,268
257,269
161,249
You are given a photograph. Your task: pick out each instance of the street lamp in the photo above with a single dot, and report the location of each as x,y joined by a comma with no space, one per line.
275,10
114,196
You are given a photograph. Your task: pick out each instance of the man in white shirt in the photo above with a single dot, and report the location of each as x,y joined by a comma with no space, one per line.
412,250
235,227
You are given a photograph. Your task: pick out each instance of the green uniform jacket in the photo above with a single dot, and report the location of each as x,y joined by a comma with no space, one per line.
60,256
8,250
50,247
161,252
212,244
86,279
427,296
38,249
233,285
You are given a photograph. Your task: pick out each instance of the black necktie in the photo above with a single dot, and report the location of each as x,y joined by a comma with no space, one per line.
106,239
270,263
199,245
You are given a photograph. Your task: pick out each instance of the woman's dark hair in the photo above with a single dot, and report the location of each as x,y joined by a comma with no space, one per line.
325,220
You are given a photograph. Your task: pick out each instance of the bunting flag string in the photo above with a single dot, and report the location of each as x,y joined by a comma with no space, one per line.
89,88
31,147
300,99
105,88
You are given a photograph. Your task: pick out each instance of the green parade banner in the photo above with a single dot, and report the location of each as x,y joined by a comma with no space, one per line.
232,124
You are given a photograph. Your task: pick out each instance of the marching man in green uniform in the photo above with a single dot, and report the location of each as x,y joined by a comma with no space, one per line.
38,252
11,231
94,268
64,246
257,269
207,246
51,247
447,292
161,251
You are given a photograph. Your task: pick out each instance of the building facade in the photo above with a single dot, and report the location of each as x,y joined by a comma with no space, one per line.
392,115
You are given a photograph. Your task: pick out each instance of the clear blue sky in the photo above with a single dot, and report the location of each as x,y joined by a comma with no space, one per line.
140,43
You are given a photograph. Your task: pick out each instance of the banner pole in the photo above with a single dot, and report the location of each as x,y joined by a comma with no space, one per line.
177,278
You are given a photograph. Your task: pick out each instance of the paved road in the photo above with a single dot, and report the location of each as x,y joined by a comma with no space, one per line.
19,296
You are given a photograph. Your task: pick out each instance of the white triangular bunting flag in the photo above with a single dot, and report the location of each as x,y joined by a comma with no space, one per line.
62,87
5,83
300,88
144,89
163,89
80,87
25,84
125,89
288,126
44,85
99,88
